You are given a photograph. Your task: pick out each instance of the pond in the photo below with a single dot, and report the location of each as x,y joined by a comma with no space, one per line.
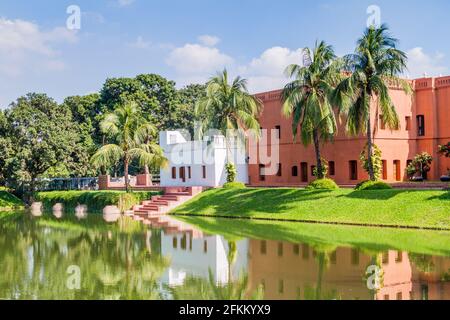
67,257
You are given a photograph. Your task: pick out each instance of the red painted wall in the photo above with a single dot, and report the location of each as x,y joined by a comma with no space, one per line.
431,98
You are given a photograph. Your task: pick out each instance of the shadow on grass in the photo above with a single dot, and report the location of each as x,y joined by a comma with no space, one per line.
245,201
445,196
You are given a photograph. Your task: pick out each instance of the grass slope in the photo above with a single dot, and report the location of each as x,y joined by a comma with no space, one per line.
424,209
9,201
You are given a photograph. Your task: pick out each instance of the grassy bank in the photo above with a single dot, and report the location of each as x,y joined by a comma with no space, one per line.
95,200
328,237
9,202
423,209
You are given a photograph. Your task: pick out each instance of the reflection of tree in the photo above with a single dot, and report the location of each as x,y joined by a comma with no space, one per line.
207,289
114,263
423,262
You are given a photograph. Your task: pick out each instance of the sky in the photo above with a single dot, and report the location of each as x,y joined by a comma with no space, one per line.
188,41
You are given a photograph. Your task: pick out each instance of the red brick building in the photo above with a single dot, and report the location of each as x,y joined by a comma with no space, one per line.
425,124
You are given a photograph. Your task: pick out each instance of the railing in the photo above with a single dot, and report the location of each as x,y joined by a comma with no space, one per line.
66,184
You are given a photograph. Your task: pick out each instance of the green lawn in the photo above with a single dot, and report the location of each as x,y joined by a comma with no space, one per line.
95,200
422,209
9,201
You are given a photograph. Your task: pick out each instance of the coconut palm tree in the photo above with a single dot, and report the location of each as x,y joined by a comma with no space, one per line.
228,106
132,139
375,65
307,98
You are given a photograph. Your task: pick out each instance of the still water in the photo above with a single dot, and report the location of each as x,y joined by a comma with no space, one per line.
59,256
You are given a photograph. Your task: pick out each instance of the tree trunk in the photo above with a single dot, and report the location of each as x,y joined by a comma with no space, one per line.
370,151
146,170
32,190
127,181
320,174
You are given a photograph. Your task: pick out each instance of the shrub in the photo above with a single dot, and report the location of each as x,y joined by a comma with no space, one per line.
324,168
377,162
95,200
231,172
372,185
323,184
420,165
234,185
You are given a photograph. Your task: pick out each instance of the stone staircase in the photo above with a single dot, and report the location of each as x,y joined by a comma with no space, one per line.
162,204
154,212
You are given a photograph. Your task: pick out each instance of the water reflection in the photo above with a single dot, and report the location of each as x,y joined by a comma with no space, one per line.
81,211
58,210
111,214
36,209
169,259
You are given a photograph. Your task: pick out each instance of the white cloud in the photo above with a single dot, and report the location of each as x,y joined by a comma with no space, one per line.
209,41
24,45
140,43
421,63
195,59
267,71
124,3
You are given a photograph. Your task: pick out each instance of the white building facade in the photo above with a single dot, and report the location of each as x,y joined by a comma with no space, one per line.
201,163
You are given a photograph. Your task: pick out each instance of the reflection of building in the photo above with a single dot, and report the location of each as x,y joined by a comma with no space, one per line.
296,271
198,256
200,163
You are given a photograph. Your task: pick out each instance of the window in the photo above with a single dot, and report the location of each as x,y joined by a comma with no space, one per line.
296,249
278,128
279,172
397,173
384,170
333,257
280,249
332,168
262,176
204,172
353,170
305,251
183,242
399,257
263,248
408,123
355,257
174,173
182,174
205,246
304,171
385,258
281,287
190,172
382,123
399,296
421,126
386,297
295,171
175,242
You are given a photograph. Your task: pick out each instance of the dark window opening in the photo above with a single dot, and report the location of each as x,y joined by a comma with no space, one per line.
332,168
190,172
304,171
204,172
408,123
295,171
262,175
384,170
421,126
278,128
397,173
353,168
174,173
280,171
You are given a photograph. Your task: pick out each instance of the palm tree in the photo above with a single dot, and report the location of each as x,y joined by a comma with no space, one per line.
375,65
132,139
307,98
228,106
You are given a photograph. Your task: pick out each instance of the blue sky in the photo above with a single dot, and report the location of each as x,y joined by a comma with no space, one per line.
188,40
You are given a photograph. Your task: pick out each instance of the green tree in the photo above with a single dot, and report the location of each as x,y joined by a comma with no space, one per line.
375,65
188,97
131,136
228,106
307,98
43,134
